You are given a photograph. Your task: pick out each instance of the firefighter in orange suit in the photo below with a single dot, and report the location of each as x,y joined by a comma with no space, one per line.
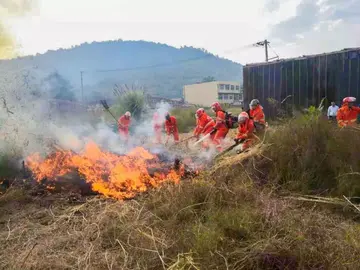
245,131
220,128
171,127
204,125
256,113
124,124
348,113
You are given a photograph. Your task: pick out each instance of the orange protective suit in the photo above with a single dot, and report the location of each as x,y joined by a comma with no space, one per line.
246,133
347,116
257,115
157,125
221,129
204,125
123,126
171,128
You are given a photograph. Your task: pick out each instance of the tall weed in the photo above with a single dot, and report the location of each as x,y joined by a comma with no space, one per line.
313,156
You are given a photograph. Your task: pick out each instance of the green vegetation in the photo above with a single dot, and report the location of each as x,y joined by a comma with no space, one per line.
313,156
132,101
208,79
185,118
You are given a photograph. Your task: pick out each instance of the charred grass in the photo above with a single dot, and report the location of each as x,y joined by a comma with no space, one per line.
233,216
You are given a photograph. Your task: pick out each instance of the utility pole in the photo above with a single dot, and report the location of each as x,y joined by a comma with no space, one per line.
82,87
266,50
264,43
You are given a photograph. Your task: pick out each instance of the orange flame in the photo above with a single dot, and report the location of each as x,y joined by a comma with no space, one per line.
109,174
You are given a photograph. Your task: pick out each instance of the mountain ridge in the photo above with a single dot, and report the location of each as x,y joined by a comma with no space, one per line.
162,69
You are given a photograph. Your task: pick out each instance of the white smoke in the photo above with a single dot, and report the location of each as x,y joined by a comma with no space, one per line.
28,124
145,128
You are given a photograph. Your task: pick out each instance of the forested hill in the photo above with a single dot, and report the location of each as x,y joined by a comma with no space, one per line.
161,69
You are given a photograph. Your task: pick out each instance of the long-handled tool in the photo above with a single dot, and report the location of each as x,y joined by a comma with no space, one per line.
228,149
167,139
107,108
184,140
205,137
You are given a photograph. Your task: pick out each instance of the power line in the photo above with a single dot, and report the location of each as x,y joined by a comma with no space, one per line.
277,56
208,55
153,66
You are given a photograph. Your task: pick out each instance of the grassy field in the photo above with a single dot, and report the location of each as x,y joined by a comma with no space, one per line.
243,212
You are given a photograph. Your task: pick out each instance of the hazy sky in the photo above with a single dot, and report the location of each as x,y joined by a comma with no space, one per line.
294,27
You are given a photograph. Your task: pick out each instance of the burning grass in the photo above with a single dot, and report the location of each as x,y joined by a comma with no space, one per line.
112,175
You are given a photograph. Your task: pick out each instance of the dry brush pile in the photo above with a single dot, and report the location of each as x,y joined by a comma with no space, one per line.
232,216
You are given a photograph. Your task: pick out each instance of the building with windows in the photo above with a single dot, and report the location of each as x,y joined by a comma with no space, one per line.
203,94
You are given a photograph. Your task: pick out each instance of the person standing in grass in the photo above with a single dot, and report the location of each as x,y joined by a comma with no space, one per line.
348,113
204,125
256,113
245,131
332,111
171,127
220,129
124,124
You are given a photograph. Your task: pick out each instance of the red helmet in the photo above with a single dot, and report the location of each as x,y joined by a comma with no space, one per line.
349,99
200,112
216,106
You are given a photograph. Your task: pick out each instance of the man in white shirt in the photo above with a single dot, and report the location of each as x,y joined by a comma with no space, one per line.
332,111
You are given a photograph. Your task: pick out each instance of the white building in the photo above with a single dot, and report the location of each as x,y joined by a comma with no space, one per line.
204,94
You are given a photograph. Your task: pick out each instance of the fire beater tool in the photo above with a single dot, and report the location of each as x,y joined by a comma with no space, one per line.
184,140
107,108
229,149
205,137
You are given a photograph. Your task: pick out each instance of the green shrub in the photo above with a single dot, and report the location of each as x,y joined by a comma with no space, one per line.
313,156
132,101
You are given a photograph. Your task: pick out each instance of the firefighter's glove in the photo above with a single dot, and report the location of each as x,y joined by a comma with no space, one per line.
213,131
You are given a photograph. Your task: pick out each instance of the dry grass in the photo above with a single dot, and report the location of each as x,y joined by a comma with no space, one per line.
202,225
312,156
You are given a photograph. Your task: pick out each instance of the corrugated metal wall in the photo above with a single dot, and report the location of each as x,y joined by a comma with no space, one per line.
307,80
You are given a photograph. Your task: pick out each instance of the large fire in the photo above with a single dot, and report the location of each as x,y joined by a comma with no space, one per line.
118,176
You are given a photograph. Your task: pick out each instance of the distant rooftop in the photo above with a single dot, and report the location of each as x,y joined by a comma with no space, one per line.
221,82
303,57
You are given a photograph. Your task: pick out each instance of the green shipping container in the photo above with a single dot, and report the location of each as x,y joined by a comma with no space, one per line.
307,79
